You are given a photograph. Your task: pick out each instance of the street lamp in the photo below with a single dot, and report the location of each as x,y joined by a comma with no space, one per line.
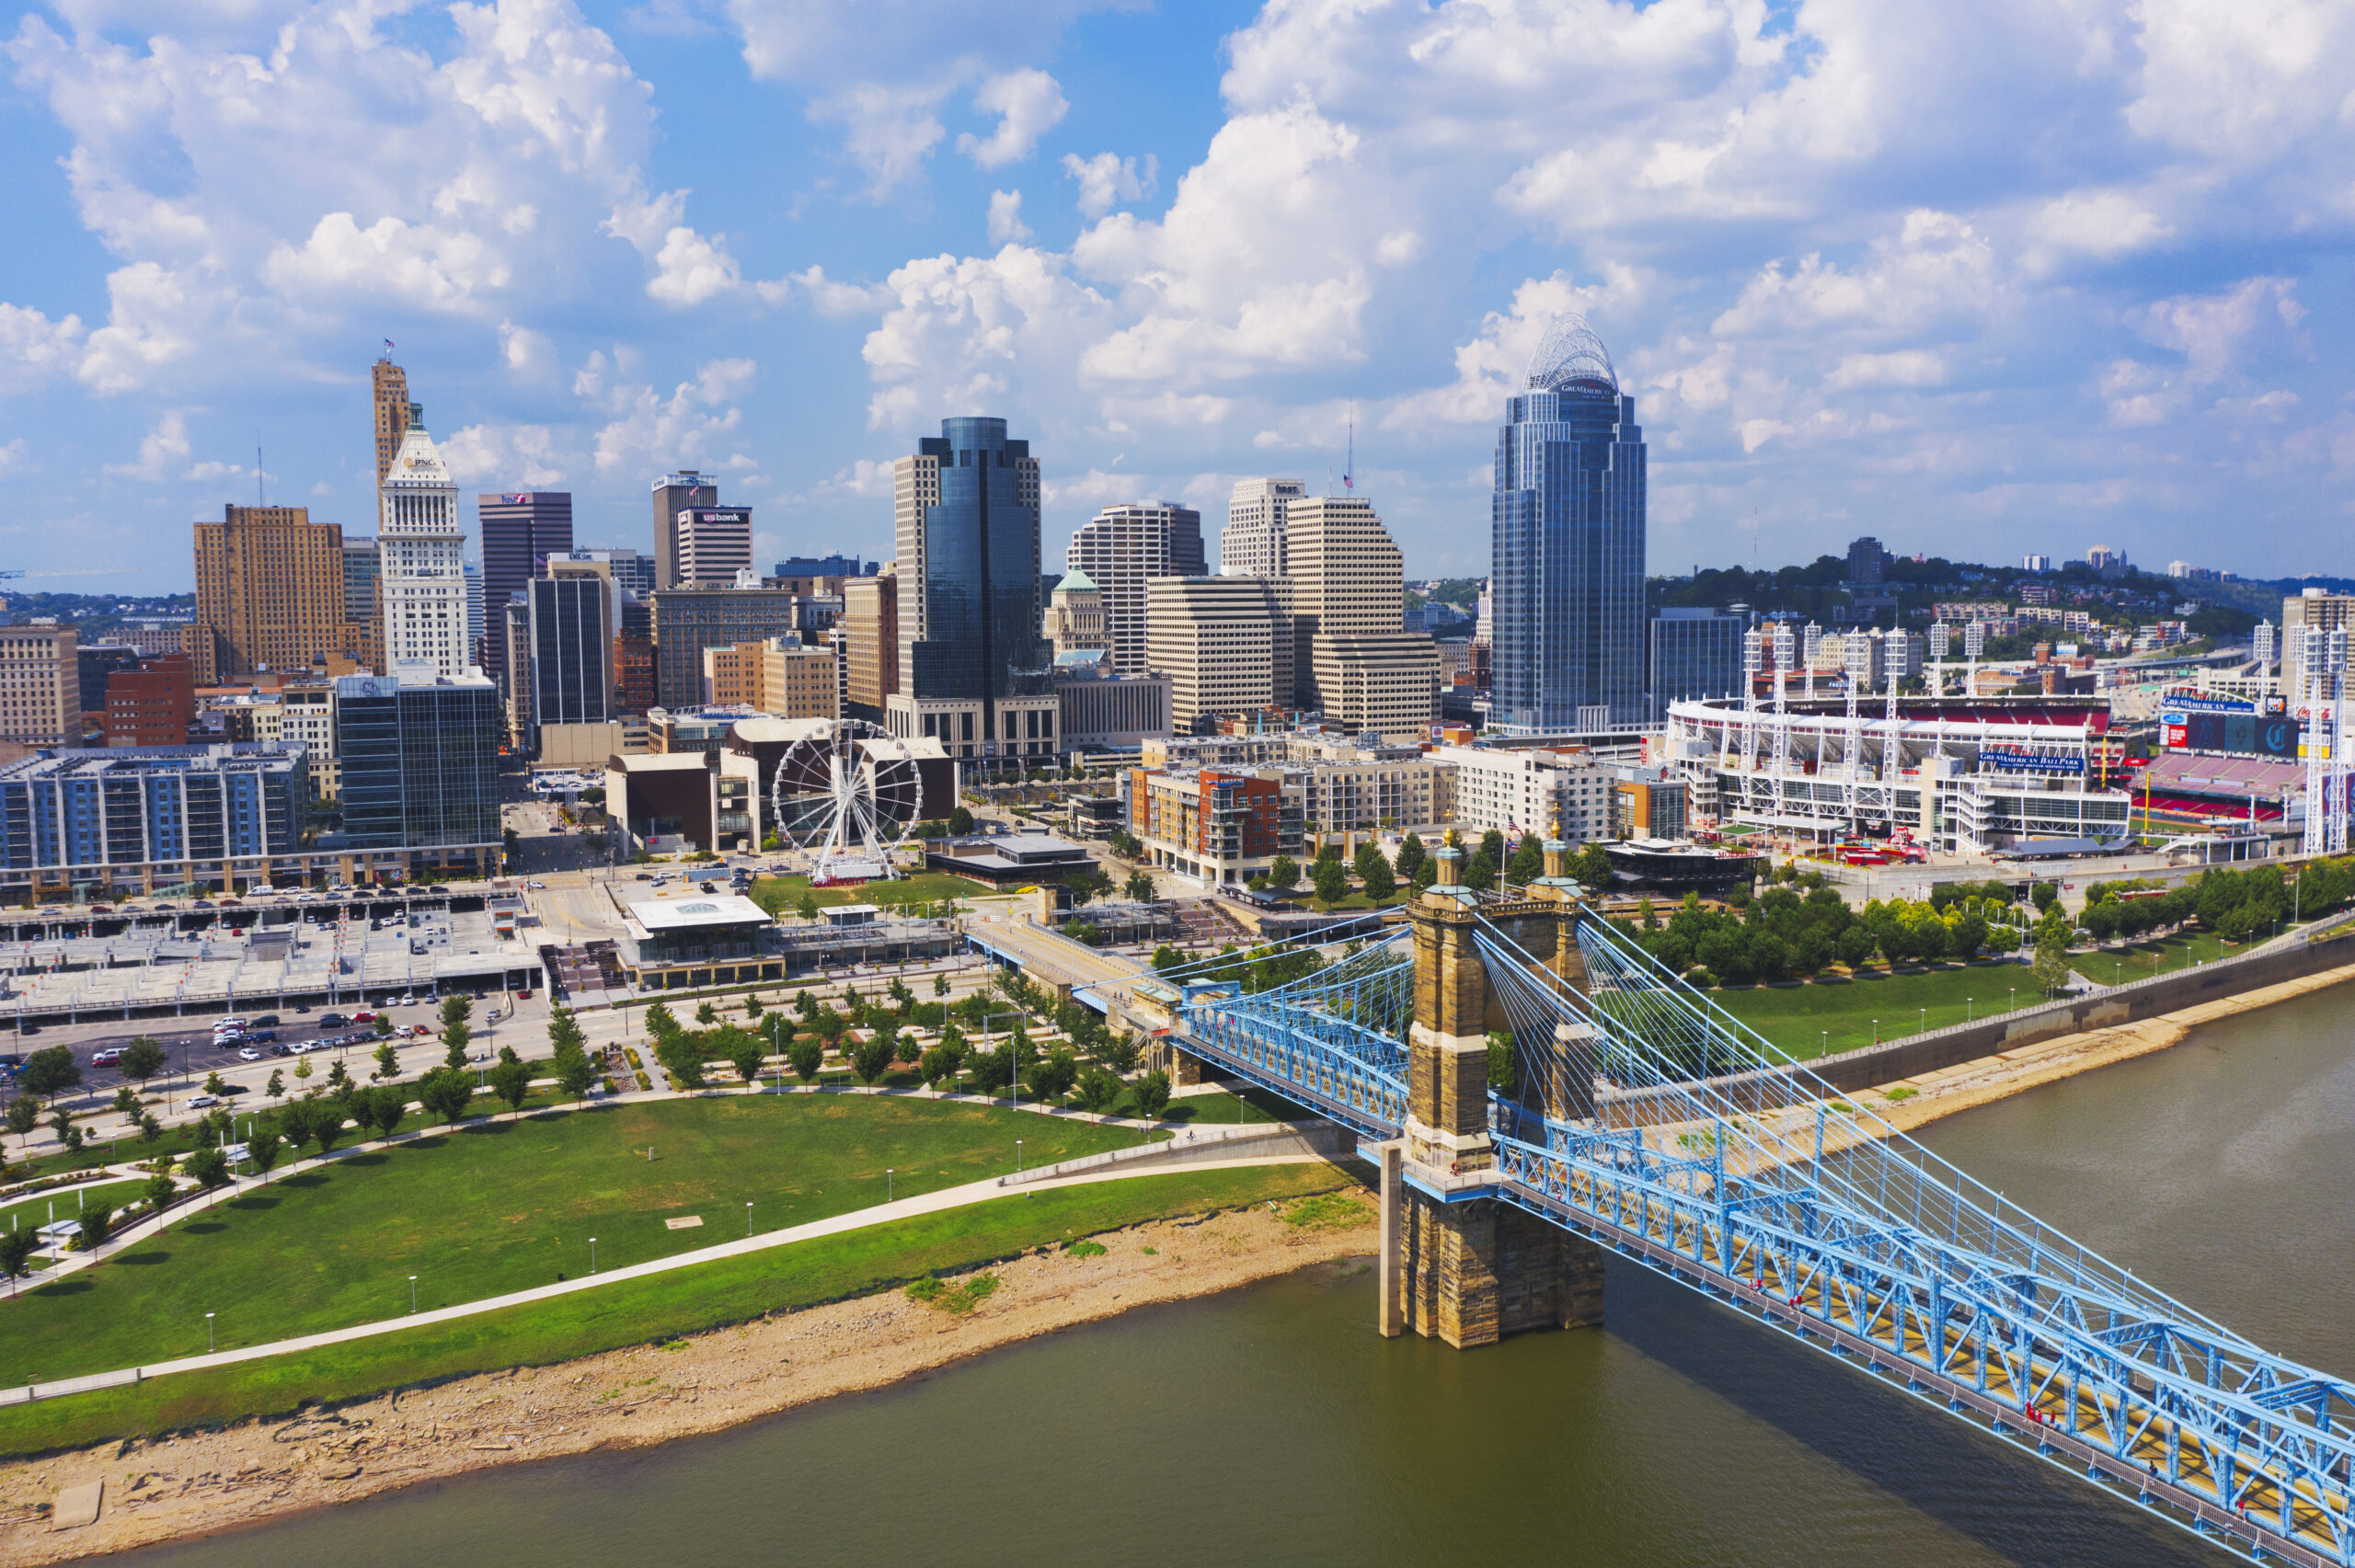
593,1254
748,1217
1876,1031
207,1333
412,1295
887,1179
1018,1157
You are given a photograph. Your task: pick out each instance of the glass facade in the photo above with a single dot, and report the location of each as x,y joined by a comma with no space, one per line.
519,531
420,763
1568,598
570,650
129,806
1694,653
980,575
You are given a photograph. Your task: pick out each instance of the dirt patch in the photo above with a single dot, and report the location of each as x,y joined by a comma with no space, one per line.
201,1482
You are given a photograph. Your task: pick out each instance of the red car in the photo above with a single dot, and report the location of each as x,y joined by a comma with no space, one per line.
364,1016
107,1057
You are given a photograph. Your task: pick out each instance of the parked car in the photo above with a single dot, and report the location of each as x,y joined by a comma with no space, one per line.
641,877
107,1057
223,1026
281,1049
260,1037
267,1020
405,1002
332,1020
364,1016
249,1053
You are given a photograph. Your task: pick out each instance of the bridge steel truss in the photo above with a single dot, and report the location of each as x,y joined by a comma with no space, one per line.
1716,1160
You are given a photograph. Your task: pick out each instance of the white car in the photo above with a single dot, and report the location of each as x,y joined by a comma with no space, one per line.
249,1053
228,1025
198,1102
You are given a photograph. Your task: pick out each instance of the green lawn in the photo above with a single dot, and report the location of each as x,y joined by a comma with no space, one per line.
35,1211
506,1206
782,895
723,1291
1810,1020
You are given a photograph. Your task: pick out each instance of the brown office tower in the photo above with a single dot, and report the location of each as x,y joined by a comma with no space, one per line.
674,493
268,592
152,704
634,688
41,689
870,627
390,390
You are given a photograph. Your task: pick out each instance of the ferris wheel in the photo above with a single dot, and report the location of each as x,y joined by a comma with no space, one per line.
841,795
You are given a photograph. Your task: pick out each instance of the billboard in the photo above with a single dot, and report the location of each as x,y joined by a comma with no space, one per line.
2018,760
2241,734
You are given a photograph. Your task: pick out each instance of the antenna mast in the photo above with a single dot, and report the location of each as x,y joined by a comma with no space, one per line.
1349,471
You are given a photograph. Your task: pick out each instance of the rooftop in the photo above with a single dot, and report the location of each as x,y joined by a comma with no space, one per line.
697,913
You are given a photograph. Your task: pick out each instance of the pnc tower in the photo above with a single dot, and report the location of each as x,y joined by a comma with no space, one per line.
1568,596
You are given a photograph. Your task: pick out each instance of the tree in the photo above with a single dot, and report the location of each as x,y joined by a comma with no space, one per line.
388,1061
575,1072
1855,945
707,1015
24,1114
1528,862
1592,867
446,1091
98,1220
1152,1095
1481,871
806,909
1284,875
1411,856
48,1073
1099,1090
1331,880
2044,894
1052,1078
940,985
564,1032
512,1082
935,1067
264,1148
209,1168
1088,885
682,1057
872,1058
1138,888
960,822
158,1190
150,1130
806,1056
276,1087
326,1124
126,1103
752,1008
2051,967
1493,843
61,1122
456,1008
16,1249
1501,1076
1376,873
383,1027
141,1060
455,1036
660,1021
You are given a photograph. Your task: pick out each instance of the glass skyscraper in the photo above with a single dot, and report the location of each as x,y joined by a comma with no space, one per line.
1568,595
974,671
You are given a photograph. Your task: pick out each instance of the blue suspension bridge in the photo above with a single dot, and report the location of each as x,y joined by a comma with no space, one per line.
1646,1121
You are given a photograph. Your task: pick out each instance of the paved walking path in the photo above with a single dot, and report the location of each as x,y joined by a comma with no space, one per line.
881,1214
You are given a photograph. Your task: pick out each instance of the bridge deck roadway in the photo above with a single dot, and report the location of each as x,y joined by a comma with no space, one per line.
1045,956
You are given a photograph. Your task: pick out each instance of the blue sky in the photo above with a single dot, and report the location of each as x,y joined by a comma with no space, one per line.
1979,279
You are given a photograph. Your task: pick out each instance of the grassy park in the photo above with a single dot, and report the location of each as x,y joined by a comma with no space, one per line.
504,1206
1810,1021
632,1313
783,895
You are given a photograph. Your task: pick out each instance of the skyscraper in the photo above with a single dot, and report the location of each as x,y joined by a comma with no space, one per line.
870,644
713,543
1352,658
974,672
422,550
1121,548
363,601
41,689
1223,642
268,592
1567,521
674,493
571,620
518,531
390,390
1252,545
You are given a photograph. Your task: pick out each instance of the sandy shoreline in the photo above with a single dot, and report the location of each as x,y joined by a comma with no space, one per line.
204,1483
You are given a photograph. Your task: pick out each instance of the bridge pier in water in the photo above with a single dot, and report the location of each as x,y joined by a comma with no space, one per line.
1458,1264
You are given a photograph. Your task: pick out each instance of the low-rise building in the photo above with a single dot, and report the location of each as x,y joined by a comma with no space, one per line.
1010,859
152,703
90,822
1518,790
699,940
1102,710
305,715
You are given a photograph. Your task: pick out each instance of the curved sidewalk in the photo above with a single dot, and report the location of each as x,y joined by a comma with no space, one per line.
1188,1158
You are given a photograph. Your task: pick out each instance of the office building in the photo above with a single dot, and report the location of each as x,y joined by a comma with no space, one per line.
1352,658
687,621
1694,653
1102,710
2036,563
478,648
1075,620
637,686
361,639
1123,547
870,642
101,821
388,392
632,571
674,493
520,530
714,544
824,567
570,625
427,598
974,672
152,703
268,592
1253,544
304,716
94,664
419,759
1225,644
781,676
1566,596
40,688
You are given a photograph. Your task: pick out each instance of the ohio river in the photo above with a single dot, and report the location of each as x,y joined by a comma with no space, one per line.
1272,1426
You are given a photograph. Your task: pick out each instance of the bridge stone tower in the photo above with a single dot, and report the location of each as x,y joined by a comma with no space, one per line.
1457,1263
